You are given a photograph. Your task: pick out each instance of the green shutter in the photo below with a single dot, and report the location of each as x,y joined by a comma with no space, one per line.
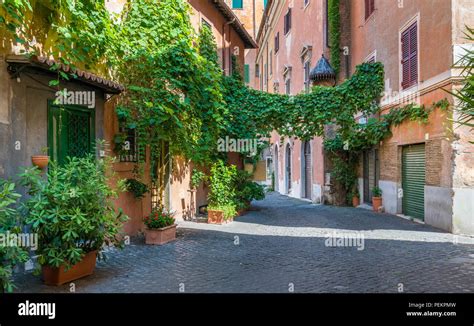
71,132
247,74
413,180
265,3
237,4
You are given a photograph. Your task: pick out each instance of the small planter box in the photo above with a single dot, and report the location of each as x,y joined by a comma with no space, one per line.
59,275
217,217
160,236
41,161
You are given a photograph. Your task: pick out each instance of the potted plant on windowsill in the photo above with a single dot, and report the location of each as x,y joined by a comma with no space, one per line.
221,198
73,213
160,227
41,161
376,198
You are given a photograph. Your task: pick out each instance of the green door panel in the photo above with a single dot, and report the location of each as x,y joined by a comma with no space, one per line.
413,180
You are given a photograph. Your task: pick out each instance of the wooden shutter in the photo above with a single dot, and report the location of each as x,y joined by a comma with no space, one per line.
409,56
369,8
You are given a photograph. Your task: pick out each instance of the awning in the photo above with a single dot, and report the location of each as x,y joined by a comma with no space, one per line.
18,63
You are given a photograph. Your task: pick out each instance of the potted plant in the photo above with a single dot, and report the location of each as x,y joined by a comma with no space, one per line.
221,198
376,198
72,211
10,256
246,190
160,227
41,161
355,197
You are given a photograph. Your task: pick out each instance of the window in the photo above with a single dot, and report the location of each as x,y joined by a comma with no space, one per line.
247,73
306,2
129,152
266,74
277,42
369,8
257,70
307,82
409,42
270,61
287,21
288,86
265,3
237,4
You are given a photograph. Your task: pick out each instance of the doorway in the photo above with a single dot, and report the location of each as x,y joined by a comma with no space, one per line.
306,169
288,168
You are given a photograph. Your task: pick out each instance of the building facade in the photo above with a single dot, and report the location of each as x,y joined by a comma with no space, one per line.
424,170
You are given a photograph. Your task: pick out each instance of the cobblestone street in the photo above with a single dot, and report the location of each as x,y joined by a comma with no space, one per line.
280,246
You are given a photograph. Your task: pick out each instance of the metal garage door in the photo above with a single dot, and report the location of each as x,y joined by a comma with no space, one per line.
413,180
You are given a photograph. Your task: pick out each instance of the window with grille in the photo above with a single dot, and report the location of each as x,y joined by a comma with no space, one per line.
288,86
287,21
409,40
307,82
369,8
277,42
129,151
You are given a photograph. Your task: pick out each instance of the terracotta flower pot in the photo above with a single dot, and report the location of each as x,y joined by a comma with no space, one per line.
215,216
241,212
355,201
59,275
40,161
160,236
376,203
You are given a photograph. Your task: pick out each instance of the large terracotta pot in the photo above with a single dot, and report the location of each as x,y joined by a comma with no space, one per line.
160,236
215,216
376,203
355,201
59,275
40,161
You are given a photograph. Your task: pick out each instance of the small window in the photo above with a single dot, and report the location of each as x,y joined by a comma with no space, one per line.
409,44
270,61
247,73
265,3
257,70
288,86
369,8
266,74
277,42
237,4
129,152
307,82
287,22
306,3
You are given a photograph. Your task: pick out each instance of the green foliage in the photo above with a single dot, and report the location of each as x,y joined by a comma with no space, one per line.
246,190
376,192
9,224
197,177
334,34
72,209
137,188
159,218
222,188
466,94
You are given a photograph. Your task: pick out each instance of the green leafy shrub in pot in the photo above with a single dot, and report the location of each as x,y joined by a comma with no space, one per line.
72,209
222,189
137,188
376,192
246,190
159,218
9,224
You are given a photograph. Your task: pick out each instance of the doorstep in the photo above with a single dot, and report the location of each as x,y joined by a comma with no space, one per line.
409,218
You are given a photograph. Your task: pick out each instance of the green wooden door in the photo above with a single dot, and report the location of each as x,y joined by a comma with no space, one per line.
70,132
413,180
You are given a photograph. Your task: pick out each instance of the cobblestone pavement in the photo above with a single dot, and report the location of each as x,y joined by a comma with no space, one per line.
282,245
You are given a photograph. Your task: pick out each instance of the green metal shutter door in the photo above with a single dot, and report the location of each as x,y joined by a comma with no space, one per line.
413,180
